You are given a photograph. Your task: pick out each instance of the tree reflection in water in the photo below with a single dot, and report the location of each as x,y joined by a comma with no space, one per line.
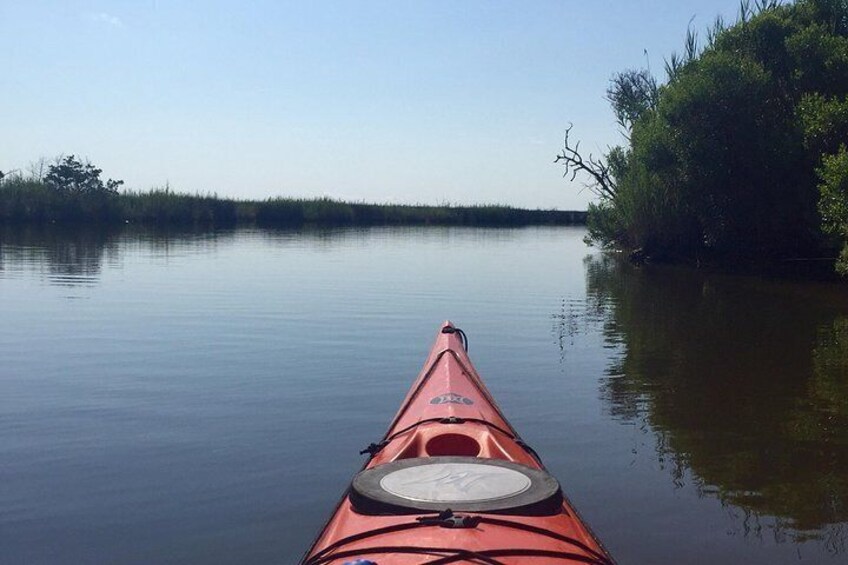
743,382
69,256
75,255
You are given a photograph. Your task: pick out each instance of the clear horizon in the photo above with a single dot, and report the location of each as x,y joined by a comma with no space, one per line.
403,102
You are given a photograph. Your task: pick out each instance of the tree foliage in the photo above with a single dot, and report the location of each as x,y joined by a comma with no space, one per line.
72,176
632,94
834,200
69,191
728,157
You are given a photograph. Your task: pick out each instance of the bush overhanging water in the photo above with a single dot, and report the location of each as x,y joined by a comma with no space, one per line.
740,155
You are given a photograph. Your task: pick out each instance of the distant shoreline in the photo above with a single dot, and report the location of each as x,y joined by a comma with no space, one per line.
29,202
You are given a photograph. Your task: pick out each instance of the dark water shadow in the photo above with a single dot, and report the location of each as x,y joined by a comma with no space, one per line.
742,382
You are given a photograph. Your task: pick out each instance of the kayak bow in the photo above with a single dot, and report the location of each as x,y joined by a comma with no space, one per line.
452,482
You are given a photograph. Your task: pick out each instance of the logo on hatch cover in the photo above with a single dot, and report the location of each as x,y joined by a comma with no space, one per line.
451,398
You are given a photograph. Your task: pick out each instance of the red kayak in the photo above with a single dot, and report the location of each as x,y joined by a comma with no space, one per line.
452,482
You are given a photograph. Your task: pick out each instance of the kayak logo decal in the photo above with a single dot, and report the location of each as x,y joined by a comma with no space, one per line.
451,398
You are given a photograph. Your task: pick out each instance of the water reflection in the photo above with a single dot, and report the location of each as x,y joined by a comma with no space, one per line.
201,364
66,257
744,383
76,256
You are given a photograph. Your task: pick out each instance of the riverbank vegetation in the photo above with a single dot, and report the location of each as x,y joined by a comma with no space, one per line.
740,154
72,192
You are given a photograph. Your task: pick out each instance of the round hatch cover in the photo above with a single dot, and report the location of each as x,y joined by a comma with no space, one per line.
469,484
455,482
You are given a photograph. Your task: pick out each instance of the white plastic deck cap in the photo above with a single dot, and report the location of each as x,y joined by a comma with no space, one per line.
455,482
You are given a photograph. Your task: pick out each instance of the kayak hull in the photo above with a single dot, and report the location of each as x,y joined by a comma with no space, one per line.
452,482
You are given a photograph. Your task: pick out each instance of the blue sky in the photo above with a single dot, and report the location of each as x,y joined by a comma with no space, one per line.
428,101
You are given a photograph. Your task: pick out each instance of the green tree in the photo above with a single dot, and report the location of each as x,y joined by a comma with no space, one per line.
721,160
71,176
833,204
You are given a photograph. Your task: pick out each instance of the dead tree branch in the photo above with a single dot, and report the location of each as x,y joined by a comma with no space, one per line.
601,183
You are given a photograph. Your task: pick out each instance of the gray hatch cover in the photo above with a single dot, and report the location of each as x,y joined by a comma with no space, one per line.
469,484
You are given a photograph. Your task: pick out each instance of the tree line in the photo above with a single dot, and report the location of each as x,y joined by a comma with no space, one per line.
71,191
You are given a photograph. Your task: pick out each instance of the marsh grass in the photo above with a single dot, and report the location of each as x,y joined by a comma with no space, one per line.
30,201
25,201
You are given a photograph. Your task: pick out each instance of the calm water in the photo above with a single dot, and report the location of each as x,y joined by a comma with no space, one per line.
202,398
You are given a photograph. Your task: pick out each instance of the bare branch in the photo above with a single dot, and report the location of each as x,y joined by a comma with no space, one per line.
601,182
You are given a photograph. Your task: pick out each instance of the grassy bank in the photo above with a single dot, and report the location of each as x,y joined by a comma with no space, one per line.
25,201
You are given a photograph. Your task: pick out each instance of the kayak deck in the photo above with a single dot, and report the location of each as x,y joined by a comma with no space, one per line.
452,482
